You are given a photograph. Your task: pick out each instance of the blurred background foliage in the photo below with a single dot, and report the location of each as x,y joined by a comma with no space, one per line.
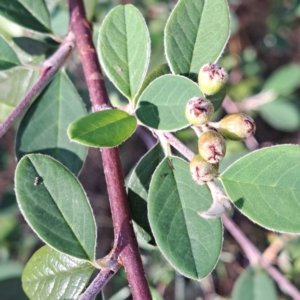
263,60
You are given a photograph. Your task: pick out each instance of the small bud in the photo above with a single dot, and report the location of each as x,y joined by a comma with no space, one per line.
201,170
212,146
198,111
212,78
237,126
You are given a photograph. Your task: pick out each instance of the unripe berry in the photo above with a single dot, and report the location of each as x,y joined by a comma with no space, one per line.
198,111
212,78
237,126
201,170
212,146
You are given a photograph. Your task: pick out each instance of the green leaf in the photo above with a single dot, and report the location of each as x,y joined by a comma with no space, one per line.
157,72
8,58
124,49
190,243
254,285
196,33
217,99
52,275
281,114
162,104
264,186
14,84
138,187
55,206
284,81
105,129
90,8
32,14
44,127
35,47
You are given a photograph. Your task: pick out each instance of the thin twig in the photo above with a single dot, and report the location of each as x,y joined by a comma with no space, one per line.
49,69
250,250
99,282
125,244
255,256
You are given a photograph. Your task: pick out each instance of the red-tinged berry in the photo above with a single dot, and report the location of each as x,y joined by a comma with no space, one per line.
201,170
212,146
199,111
212,78
237,126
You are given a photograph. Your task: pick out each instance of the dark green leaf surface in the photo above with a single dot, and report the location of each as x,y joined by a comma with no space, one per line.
196,33
217,99
138,188
8,57
190,243
52,275
14,84
254,285
32,14
107,128
264,185
161,106
281,114
124,49
44,127
55,206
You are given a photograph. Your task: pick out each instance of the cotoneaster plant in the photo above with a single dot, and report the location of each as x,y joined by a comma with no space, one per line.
174,203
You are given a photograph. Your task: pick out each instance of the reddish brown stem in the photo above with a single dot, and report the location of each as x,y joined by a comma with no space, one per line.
125,241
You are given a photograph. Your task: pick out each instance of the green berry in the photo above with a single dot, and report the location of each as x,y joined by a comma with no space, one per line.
237,126
212,146
199,111
201,170
212,78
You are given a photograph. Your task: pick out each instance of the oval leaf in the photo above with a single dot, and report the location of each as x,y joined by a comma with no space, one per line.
55,206
254,285
138,187
32,14
264,186
281,114
162,104
8,57
284,80
44,127
157,72
190,243
107,128
14,84
52,275
196,33
124,49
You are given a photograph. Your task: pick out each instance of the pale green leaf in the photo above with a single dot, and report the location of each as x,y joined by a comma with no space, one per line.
254,284
284,80
190,243
124,49
32,14
281,114
107,128
162,104
53,275
55,205
264,186
196,33
44,127
14,84
8,58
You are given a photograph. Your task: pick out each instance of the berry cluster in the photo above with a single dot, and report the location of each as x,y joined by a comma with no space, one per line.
211,143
